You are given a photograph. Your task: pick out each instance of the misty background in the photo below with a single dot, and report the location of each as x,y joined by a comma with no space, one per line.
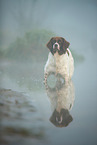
25,109
76,21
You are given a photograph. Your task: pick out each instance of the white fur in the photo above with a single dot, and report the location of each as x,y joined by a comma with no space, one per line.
60,64
57,45
63,97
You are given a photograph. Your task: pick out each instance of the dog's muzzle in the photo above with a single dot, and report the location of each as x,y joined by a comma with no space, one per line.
56,46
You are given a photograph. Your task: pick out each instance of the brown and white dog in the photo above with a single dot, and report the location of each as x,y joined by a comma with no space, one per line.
60,60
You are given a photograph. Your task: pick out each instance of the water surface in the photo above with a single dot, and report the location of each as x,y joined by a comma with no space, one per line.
29,112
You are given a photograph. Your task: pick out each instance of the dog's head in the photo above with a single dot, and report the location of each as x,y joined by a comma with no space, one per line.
58,44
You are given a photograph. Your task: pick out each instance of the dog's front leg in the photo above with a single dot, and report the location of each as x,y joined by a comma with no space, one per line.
45,77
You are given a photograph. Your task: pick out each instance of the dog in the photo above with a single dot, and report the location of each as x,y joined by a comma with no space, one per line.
60,59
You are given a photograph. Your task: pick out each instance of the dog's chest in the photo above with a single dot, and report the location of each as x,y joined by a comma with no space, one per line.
61,61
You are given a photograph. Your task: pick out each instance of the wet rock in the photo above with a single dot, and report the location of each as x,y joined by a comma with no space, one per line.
17,117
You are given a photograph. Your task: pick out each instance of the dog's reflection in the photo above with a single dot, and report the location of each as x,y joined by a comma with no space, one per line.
62,99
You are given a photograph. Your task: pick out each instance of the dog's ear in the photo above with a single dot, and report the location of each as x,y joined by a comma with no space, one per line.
65,44
49,44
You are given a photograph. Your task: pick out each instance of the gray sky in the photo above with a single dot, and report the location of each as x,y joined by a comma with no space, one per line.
76,20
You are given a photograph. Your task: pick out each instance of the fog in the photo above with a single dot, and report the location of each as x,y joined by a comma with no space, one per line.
74,20
28,110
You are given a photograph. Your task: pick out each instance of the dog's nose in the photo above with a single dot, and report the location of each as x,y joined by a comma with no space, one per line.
56,45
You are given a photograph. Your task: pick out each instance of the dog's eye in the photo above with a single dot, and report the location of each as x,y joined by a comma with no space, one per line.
59,41
54,41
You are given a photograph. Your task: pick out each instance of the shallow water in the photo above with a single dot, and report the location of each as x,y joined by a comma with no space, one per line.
29,112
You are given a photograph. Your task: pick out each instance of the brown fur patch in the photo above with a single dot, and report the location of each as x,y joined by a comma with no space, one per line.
61,41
